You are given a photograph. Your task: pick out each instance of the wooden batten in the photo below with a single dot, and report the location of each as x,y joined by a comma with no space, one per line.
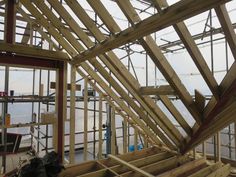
159,90
69,86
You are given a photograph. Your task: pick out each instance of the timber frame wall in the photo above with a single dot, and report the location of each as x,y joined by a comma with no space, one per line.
90,54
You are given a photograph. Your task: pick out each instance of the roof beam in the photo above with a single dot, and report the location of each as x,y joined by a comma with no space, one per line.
224,85
200,100
26,36
117,68
161,90
86,67
161,62
33,51
221,115
193,50
227,27
176,114
170,16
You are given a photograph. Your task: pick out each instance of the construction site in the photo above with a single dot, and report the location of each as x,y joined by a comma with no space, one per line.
129,88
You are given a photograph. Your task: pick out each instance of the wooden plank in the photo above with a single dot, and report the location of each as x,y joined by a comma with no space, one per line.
219,122
72,114
85,66
40,19
65,70
227,27
105,16
200,100
27,34
45,36
113,131
197,57
118,109
161,120
141,162
161,62
179,171
224,85
204,149
33,52
160,90
132,167
208,170
85,119
76,170
193,50
77,86
100,127
221,172
218,156
176,114
125,143
160,166
126,79
150,25
137,109
135,139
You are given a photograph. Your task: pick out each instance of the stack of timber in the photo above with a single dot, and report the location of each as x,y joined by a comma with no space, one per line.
148,162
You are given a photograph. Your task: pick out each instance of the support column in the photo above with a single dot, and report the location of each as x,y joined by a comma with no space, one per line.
61,112
100,128
9,38
125,145
85,118
113,131
72,114
218,159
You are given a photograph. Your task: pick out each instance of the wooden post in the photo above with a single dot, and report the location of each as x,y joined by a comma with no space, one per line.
204,149
41,90
100,128
72,114
145,141
125,143
113,132
61,106
235,139
85,118
135,139
218,147
194,153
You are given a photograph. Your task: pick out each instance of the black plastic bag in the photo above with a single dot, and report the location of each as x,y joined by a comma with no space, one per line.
52,165
34,169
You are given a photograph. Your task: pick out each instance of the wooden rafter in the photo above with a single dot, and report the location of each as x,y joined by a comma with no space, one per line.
216,121
227,27
127,75
152,24
130,81
161,62
26,36
41,20
193,50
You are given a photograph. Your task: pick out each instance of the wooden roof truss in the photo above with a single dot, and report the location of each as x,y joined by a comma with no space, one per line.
122,89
